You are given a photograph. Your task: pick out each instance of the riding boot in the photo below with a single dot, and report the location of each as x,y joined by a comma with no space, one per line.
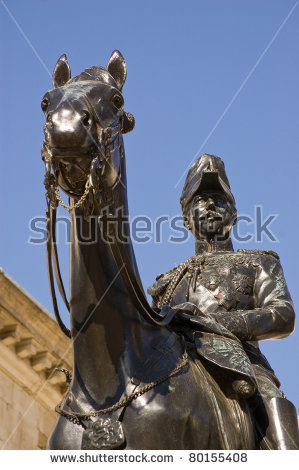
278,424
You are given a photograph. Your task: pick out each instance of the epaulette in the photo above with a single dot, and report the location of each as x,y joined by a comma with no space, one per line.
259,252
159,286
271,253
163,280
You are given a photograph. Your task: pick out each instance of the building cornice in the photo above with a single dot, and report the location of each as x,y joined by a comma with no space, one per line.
31,345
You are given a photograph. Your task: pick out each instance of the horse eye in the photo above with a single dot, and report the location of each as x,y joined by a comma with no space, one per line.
117,101
45,104
199,199
221,201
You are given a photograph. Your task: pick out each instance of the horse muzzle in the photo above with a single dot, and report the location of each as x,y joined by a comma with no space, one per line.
69,133
73,154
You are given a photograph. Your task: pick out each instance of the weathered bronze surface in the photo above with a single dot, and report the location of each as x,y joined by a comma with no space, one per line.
188,375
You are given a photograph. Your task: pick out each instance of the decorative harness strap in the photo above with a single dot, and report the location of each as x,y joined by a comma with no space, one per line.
77,417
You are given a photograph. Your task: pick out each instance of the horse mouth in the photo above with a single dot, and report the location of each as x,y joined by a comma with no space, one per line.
72,176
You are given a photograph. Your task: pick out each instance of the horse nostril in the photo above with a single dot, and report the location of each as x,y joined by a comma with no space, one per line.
49,119
85,118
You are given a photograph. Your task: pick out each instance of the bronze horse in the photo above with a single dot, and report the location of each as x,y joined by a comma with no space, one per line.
136,384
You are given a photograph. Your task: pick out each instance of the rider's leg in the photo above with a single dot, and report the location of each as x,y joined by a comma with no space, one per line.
276,417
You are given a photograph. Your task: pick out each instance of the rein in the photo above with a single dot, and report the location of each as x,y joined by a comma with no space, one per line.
107,144
52,254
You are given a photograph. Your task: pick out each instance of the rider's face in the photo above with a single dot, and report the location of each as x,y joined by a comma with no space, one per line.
211,215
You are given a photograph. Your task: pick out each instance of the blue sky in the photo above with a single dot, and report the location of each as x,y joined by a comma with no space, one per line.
214,76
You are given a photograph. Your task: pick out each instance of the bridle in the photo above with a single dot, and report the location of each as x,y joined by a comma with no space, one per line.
109,141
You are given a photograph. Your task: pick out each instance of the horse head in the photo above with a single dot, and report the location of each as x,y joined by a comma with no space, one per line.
84,120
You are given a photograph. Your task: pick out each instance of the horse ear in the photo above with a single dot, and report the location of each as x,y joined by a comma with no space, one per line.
62,72
117,68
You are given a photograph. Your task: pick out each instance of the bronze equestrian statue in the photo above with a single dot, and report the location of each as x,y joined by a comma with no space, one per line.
138,380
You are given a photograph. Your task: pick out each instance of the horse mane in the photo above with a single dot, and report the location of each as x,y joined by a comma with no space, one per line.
95,73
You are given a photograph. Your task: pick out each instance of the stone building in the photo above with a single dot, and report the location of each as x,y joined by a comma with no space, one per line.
31,346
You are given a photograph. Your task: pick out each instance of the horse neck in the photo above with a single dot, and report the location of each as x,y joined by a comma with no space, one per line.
106,328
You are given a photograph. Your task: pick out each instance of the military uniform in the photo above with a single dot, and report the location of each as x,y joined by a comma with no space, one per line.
242,293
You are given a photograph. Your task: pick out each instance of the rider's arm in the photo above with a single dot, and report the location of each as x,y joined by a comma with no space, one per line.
273,316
